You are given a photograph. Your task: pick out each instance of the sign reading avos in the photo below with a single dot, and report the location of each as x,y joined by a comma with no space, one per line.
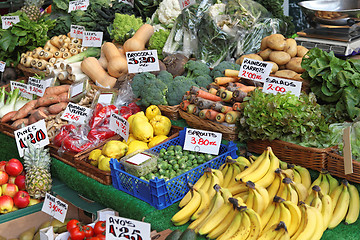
123,228
77,31
76,113
186,3
255,70
202,141
78,5
37,86
276,85
35,133
54,207
8,21
142,61
92,39
119,125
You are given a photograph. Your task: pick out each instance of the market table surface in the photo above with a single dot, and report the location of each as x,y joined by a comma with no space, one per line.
131,207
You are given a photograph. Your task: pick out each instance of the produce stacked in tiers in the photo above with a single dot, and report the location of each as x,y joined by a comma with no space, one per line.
265,198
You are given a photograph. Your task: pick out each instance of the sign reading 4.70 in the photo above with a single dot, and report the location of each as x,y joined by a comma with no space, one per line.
123,228
142,61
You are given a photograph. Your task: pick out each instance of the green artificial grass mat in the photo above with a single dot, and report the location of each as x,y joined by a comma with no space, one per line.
133,208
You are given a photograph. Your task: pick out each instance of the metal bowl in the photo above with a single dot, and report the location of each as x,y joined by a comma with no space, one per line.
332,12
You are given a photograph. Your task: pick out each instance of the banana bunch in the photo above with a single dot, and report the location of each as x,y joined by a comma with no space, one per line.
257,197
326,182
231,168
277,231
345,199
299,174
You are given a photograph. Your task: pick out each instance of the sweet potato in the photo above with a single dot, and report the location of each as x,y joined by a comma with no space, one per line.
64,97
57,90
39,115
24,111
47,101
19,123
58,107
32,119
7,117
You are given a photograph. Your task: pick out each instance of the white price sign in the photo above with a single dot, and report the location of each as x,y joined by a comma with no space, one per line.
78,5
123,228
202,141
76,113
142,61
54,207
255,70
37,86
186,3
276,85
76,89
8,21
130,2
23,88
77,31
119,125
35,133
2,66
92,39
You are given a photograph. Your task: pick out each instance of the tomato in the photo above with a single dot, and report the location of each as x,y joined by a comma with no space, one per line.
94,238
89,231
73,223
101,236
99,227
77,233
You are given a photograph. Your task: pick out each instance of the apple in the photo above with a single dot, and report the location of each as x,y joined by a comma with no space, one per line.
33,201
20,182
4,177
2,165
21,199
6,204
13,167
9,189
11,179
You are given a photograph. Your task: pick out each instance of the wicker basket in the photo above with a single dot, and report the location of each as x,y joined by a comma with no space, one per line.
29,72
171,112
336,167
228,133
7,129
314,158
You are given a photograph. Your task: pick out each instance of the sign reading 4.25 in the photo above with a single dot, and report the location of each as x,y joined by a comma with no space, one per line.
123,228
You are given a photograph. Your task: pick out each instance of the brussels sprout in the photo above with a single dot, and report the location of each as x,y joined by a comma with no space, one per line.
171,148
176,166
163,165
162,151
170,153
178,148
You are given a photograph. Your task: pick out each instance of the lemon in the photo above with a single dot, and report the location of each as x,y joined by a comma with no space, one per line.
137,145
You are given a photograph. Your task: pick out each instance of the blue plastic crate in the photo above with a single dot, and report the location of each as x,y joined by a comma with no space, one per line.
158,192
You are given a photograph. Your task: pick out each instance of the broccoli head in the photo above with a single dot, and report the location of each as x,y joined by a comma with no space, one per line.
178,88
165,77
218,71
139,80
157,41
154,93
203,81
196,68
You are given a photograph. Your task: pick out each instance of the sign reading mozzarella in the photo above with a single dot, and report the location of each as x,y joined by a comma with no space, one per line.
8,21
202,141
92,39
119,125
123,228
255,70
76,113
78,5
77,31
142,61
54,207
276,85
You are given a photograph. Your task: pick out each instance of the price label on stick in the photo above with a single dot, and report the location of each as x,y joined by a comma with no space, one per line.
76,113
78,5
130,2
119,125
23,88
35,133
348,163
37,86
202,141
54,207
276,85
123,228
186,3
8,21
142,61
77,31
255,70
2,66
92,39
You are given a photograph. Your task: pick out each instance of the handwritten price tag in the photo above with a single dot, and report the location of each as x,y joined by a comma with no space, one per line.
76,89
119,125
76,113
37,86
78,5
77,31
24,89
142,61
8,21
186,3
2,66
92,39
36,133
255,70
54,207
276,85
130,2
202,141
123,228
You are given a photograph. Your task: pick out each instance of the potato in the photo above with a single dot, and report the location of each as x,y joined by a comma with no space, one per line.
264,54
251,56
298,77
291,47
263,45
295,65
274,68
282,67
285,73
280,57
276,42
301,51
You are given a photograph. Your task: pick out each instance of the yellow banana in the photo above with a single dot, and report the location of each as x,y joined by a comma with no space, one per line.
310,224
214,181
354,205
289,173
207,184
259,172
243,231
270,175
216,219
223,168
317,203
327,210
305,176
285,214
283,165
250,199
186,212
255,227
275,217
265,217
233,227
324,185
228,175
186,199
236,171
302,224
264,195
243,160
295,217
341,207
271,233
226,194
221,228
309,199
275,185
316,182
335,194
252,159
319,229
259,202
294,197
205,202
219,175
333,182
283,190
238,188
254,166
243,196
301,190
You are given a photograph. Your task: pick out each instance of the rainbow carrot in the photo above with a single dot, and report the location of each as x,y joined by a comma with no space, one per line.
231,73
220,117
184,104
207,95
211,114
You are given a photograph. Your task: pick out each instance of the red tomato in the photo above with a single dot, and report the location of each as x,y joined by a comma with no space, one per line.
89,231
77,234
101,236
94,238
99,227
73,223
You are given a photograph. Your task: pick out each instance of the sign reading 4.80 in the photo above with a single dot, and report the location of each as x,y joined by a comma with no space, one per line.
123,228
142,61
